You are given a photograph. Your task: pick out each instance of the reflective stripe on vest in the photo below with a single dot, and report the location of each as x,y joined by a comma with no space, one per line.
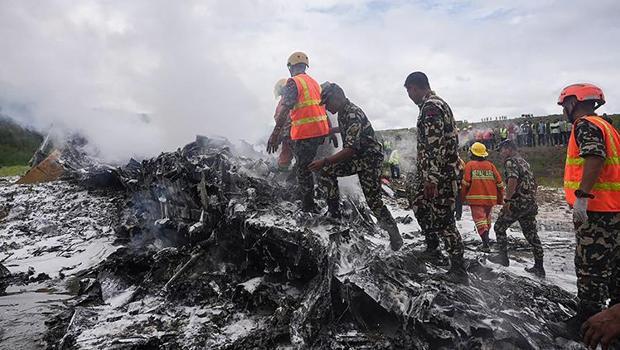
308,117
606,190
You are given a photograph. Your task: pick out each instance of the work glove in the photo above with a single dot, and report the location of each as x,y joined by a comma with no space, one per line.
580,215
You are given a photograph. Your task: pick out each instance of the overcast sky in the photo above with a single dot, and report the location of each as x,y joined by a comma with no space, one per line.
139,77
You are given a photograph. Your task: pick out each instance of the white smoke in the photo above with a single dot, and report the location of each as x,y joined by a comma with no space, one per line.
134,79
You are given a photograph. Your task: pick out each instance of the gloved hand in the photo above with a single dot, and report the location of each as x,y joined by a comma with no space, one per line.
580,215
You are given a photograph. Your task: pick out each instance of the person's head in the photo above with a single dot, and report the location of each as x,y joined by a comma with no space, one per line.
581,99
417,86
277,89
478,151
333,97
297,63
507,148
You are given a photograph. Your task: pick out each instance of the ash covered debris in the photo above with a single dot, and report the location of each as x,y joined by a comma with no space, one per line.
217,255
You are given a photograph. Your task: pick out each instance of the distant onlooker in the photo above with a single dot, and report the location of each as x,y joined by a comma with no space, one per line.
541,133
394,161
548,139
529,134
521,135
565,127
556,133
487,138
503,133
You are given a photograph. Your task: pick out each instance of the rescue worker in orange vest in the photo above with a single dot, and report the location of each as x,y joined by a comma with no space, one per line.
286,154
592,188
301,98
482,189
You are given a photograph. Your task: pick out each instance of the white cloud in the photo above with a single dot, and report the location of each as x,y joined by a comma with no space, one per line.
210,66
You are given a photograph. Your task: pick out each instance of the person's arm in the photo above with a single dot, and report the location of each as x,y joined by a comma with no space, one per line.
433,134
511,188
592,149
287,102
466,183
603,328
332,136
512,180
500,185
592,168
351,144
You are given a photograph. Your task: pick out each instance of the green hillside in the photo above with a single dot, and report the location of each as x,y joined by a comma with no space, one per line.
17,144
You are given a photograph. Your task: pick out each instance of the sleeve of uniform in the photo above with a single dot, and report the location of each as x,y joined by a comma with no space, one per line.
590,139
500,185
433,133
352,135
289,94
512,170
466,179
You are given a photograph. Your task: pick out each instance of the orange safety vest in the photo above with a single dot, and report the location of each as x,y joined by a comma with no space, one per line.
308,117
606,190
482,184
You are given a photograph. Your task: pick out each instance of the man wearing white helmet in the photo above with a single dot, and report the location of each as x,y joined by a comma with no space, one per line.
301,98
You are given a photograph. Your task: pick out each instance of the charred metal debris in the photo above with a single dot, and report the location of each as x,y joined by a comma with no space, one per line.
216,255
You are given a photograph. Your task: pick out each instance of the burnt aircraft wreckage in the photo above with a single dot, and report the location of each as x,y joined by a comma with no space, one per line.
212,252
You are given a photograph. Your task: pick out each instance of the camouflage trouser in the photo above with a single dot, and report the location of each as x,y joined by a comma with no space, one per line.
525,213
305,151
436,217
368,171
597,259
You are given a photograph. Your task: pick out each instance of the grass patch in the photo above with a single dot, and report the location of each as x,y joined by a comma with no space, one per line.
13,170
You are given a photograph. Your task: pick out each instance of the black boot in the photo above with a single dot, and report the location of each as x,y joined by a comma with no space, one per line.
485,242
457,272
501,257
396,241
571,328
308,205
538,268
333,209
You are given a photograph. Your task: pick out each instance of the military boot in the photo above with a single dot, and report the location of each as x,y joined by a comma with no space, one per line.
433,253
457,272
571,327
308,205
538,268
396,241
333,209
501,257
485,242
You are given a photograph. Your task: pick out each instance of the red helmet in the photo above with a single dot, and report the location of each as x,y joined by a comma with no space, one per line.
583,92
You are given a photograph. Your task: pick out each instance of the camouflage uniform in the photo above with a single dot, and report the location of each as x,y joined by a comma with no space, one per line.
597,255
437,162
357,133
523,207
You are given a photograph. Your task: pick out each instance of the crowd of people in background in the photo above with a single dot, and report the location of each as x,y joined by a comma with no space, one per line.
525,133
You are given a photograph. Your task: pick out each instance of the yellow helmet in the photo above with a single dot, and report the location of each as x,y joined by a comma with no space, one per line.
478,149
277,89
297,57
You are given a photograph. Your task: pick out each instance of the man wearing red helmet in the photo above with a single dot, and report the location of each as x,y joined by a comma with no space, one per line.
592,188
